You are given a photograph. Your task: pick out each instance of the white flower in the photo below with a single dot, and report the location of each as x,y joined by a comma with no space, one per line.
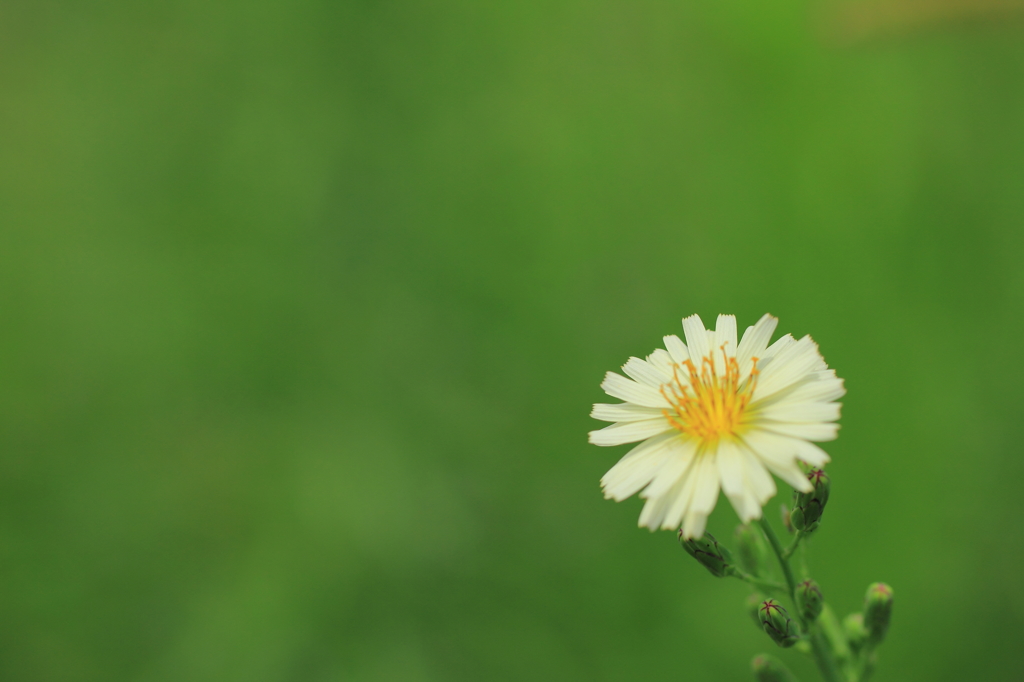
714,413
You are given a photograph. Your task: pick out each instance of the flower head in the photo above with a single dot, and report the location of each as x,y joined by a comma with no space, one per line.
716,414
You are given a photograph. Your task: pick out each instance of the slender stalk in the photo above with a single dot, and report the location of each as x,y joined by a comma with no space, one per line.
805,573
822,652
833,631
865,666
800,535
764,585
823,656
780,553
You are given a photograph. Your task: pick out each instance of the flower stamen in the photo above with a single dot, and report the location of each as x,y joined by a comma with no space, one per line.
708,405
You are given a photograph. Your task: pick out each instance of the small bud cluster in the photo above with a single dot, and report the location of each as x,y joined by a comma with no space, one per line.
868,629
808,507
848,649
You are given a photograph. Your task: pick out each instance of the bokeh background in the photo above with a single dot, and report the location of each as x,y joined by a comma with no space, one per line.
304,306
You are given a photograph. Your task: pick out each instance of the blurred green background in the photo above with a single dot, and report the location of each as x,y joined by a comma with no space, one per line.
304,306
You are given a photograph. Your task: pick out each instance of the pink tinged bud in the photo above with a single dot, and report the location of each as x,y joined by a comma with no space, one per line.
809,600
877,611
808,507
783,630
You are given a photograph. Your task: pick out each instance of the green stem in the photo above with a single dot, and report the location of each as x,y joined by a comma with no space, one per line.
764,585
804,572
823,656
822,653
833,631
800,535
783,560
865,665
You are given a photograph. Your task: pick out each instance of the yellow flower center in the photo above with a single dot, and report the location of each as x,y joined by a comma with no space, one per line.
710,405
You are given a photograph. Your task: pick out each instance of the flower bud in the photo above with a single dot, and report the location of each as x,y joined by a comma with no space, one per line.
877,611
713,556
856,633
807,507
776,622
809,600
752,552
769,669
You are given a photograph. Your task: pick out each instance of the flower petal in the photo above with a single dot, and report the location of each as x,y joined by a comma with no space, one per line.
694,524
630,432
678,474
759,481
706,494
780,344
731,471
801,412
725,333
696,338
655,509
661,361
636,469
677,349
815,432
755,338
639,370
754,343
815,386
683,496
618,386
811,453
823,389
623,412
779,455
680,457
792,364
